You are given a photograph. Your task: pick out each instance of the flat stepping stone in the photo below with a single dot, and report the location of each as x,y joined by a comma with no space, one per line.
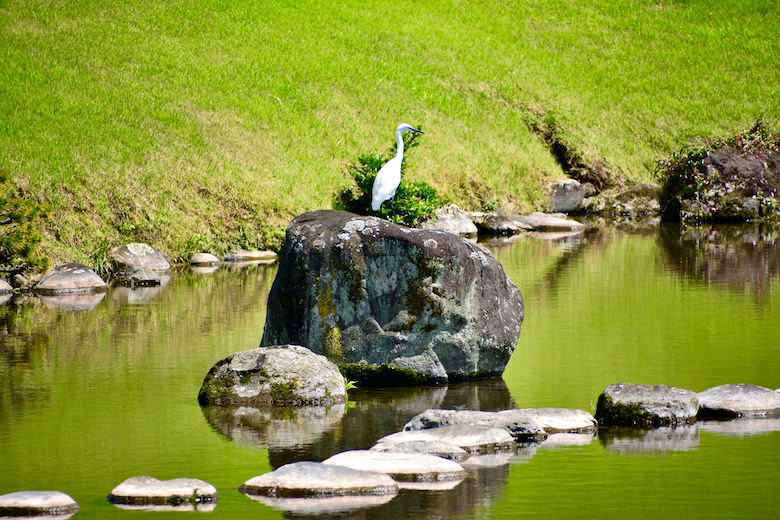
561,420
472,438
522,427
403,467
70,278
251,256
135,256
204,259
37,503
319,480
739,400
438,448
145,490
548,221
624,404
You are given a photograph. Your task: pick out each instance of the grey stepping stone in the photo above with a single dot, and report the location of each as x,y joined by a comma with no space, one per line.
472,438
71,278
440,449
739,400
624,404
403,467
135,256
146,490
318,480
37,503
204,259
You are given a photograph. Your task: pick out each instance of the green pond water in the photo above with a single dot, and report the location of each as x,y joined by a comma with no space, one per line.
91,397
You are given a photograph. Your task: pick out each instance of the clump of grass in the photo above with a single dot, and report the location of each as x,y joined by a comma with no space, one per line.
414,201
20,222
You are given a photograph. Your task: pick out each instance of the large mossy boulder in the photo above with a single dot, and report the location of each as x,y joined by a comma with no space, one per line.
364,291
286,375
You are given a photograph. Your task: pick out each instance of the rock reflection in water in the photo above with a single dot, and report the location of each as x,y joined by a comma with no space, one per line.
742,427
628,441
736,256
286,431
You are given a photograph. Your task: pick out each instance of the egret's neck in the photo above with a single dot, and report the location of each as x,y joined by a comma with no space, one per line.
399,143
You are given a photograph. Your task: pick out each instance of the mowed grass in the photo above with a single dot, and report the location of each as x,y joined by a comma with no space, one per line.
208,125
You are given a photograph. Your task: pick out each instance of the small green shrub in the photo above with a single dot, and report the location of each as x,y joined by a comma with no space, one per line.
414,201
20,220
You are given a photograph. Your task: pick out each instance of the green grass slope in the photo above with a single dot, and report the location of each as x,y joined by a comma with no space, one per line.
209,124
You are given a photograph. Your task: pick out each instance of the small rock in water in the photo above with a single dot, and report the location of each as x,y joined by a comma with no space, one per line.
566,195
71,278
281,375
37,503
739,400
146,490
204,259
403,467
522,427
133,257
5,287
318,480
623,404
472,438
438,448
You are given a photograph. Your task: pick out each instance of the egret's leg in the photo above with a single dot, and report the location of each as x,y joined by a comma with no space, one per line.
392,205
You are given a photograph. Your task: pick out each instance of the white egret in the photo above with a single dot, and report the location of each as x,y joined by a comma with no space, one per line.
389,176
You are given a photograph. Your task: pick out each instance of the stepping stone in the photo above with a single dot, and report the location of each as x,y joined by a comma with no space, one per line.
440,449
549,221
562,420
204,259
740,400
472,438
522,427
251,256
71,278
146,490
37,503
623,404
135,256
403,467
319,480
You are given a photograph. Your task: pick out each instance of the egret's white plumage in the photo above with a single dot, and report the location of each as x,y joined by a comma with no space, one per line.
389,176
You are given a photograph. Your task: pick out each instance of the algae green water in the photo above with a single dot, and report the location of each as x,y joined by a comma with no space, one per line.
89,398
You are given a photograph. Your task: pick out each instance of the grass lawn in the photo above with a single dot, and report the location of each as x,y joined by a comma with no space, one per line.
208,125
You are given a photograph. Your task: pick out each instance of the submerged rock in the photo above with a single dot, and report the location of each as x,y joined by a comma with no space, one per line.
318,480
70,278
146,490
37,503
403,467
472,438
521,426
287,375
740,400
365,291
624,404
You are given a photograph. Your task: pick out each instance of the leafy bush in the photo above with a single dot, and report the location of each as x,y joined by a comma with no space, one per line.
19,233
684,175
414,201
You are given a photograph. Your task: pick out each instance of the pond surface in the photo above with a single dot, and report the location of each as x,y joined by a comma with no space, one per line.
91,397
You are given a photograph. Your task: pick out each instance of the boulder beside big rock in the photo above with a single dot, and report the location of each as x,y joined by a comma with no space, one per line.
281,375
362,290
37,503
623,404
739,400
